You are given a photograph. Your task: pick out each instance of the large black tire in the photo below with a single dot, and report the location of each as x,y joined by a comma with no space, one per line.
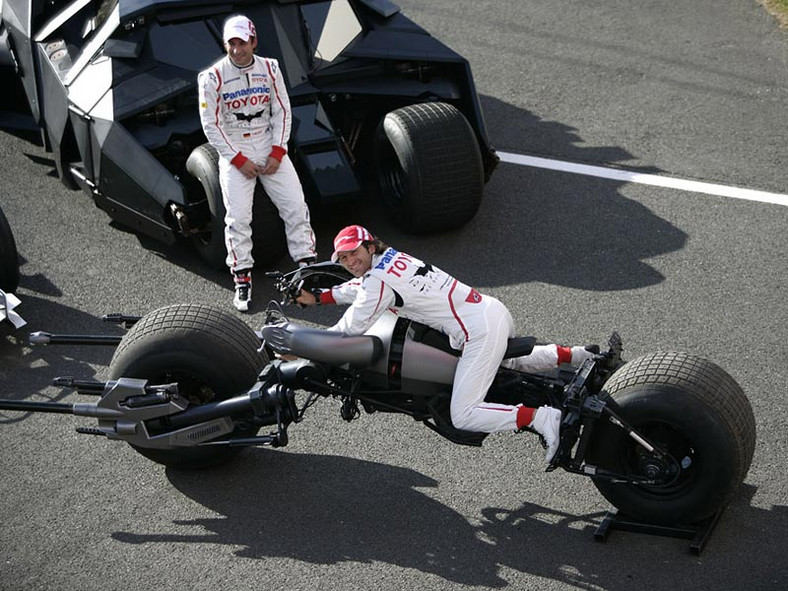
268,230
9,257
699,414
203,164
429,168
211,354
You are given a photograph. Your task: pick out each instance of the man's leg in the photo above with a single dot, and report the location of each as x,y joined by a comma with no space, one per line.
475,372
286,193
476,369
238,197
546,357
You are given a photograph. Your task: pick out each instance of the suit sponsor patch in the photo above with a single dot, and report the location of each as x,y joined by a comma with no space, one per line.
474,297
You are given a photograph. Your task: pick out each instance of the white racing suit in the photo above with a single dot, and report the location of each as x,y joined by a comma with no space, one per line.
477,324
245,114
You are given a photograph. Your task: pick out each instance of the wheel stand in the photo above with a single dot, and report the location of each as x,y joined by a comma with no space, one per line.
698,532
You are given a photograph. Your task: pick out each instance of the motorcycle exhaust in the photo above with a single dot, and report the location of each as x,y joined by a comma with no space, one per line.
263,402
45,338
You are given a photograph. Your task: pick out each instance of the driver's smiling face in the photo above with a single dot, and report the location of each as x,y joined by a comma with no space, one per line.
357,261
241,52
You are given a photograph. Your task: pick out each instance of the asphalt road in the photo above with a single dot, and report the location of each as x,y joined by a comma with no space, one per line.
695,90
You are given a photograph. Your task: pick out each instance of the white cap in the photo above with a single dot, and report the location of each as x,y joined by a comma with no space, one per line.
238,27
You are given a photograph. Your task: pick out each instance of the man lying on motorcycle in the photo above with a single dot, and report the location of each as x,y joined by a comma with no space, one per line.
477,324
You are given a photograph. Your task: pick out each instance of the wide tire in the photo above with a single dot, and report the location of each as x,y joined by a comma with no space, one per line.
9,257
429,167
203,164
211,354
268,231
695,411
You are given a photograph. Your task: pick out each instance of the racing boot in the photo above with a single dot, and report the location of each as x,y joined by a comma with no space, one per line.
547,422
243,291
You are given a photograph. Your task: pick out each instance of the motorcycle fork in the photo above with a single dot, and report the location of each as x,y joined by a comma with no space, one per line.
583,411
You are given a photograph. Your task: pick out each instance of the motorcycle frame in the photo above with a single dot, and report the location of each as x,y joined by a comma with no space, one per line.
156,416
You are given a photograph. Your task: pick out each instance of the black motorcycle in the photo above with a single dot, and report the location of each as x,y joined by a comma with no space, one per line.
667,438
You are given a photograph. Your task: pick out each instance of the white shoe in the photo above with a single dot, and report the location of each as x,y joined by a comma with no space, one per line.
243,292
547,422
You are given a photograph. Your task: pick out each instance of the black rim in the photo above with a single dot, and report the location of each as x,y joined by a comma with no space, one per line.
677,470
392,176
190,387
203,238
194,389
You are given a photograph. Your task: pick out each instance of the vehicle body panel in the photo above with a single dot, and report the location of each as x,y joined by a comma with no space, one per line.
112,86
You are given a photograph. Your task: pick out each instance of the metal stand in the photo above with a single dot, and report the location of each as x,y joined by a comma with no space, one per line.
698,532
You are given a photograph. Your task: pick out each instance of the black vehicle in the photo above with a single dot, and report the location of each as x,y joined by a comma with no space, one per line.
667,438
9,257
9,275
379,107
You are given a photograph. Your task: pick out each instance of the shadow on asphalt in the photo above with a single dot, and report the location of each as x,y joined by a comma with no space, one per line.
26,371
329,510
556,228
560,228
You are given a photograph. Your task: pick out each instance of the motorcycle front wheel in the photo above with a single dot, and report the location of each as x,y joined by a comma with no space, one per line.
694,411
211,355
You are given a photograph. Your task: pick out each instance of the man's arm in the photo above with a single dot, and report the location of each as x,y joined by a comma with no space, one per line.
209,85
281,116
344,293
373,299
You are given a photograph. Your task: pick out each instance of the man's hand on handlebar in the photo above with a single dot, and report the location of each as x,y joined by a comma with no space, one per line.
305,298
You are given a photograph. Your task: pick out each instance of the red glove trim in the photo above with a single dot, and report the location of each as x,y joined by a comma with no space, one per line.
239,160
278,152
326,297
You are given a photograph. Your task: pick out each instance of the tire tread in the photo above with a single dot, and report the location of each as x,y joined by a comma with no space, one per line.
678,392
702,379
197,341
449,167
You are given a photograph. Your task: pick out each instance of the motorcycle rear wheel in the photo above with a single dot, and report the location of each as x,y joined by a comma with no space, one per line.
696,412
210,353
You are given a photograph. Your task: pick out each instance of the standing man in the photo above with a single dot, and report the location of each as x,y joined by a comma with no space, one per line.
479,325
245,114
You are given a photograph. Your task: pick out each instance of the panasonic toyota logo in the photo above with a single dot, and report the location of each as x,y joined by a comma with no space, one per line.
228,96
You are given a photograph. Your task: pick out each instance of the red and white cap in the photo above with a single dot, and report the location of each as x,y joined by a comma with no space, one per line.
350,238
239,27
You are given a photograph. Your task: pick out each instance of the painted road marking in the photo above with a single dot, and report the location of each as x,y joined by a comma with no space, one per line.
646,179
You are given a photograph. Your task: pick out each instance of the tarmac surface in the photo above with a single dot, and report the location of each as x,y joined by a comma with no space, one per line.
694,90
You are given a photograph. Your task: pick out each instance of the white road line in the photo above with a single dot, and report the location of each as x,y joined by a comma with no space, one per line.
646,179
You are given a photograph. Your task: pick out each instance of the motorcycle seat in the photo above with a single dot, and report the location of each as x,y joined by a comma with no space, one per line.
519,346
515,346
333,348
